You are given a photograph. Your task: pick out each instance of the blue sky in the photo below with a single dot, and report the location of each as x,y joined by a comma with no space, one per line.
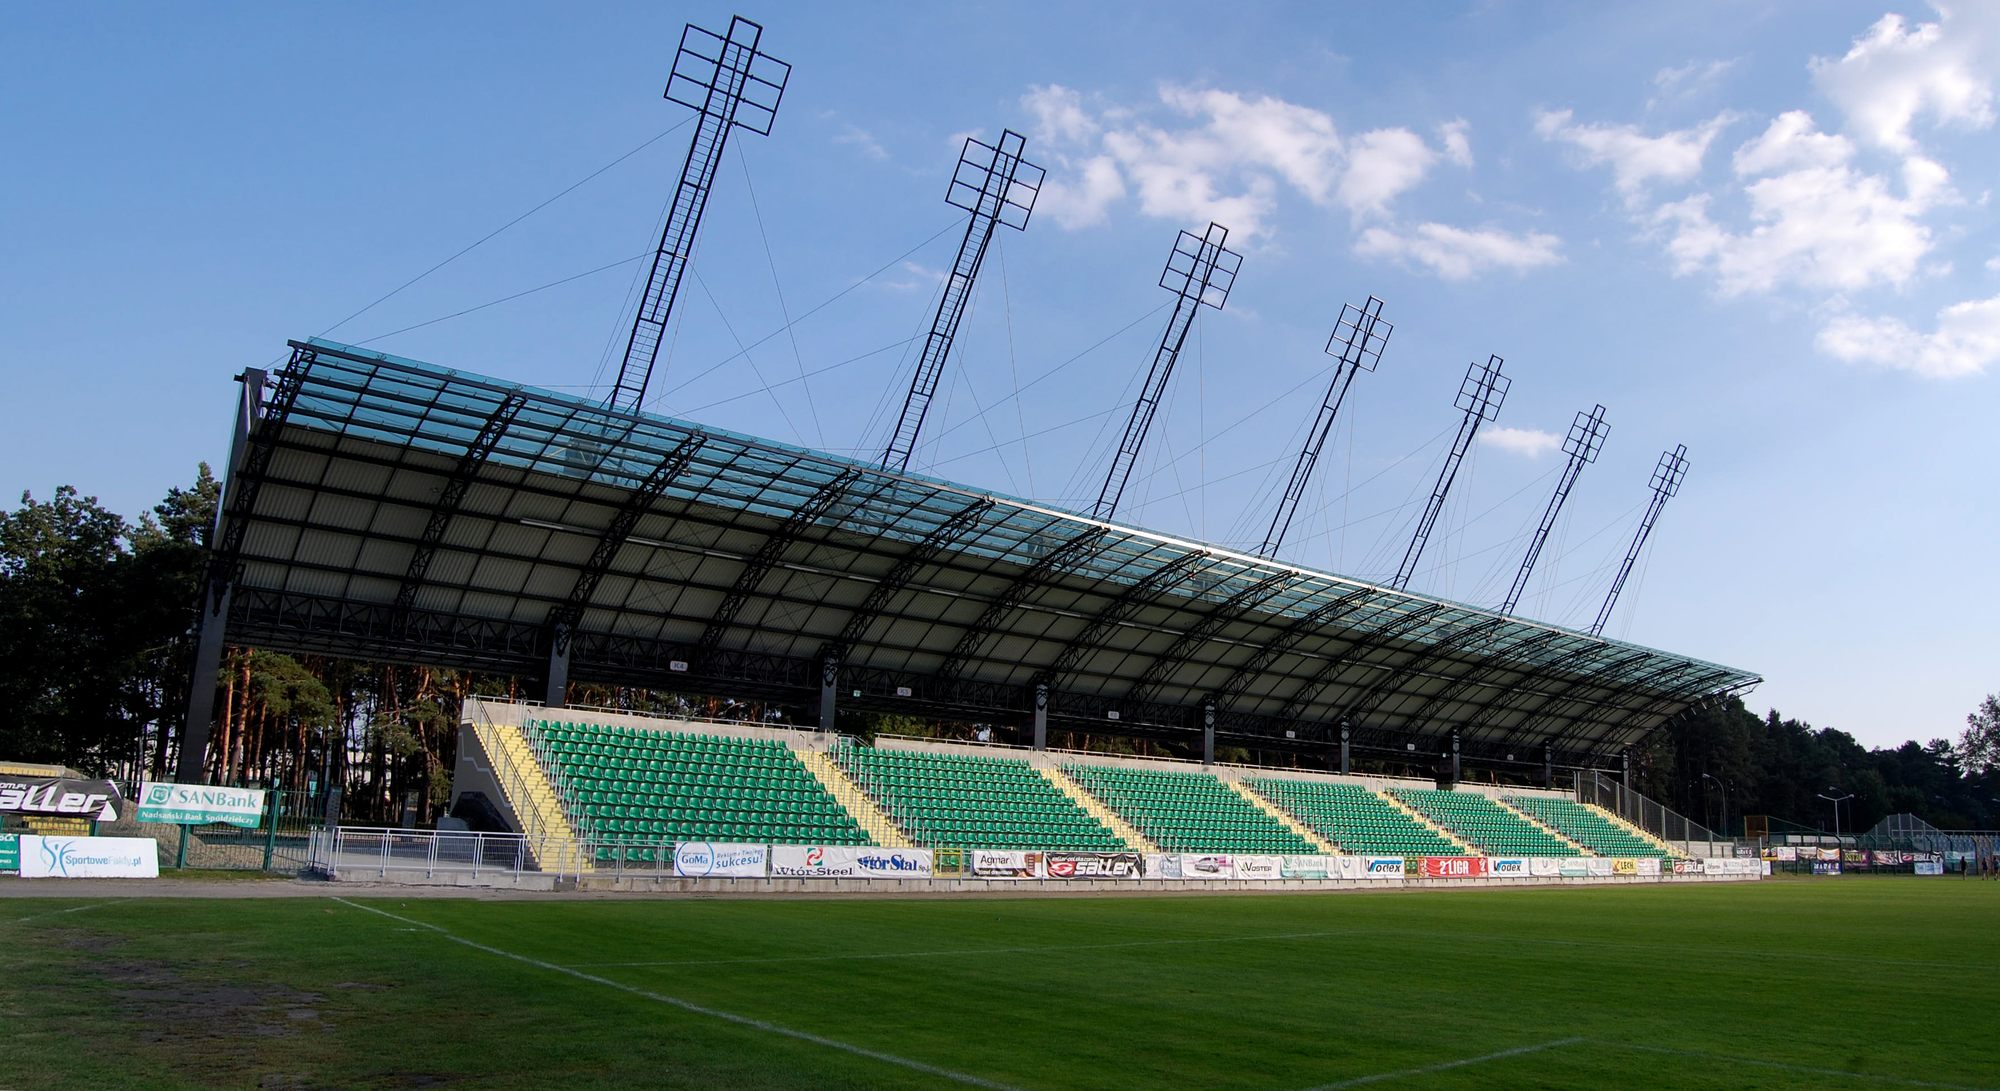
1762,230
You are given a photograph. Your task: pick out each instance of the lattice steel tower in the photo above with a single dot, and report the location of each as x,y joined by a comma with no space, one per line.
1479,396
1585,439
1199,272
1667,477
997,187
1358,340
732,85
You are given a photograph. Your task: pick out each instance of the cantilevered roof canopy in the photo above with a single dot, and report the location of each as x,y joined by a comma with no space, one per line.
390,509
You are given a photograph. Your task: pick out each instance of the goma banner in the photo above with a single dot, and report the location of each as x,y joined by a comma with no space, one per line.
96,799
704,860
1508,867
1544,867
1090,865
988,864
1260,867
1307,867
199,804
10,852
89,857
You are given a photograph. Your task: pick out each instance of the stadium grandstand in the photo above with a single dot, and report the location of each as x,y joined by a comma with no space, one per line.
385,508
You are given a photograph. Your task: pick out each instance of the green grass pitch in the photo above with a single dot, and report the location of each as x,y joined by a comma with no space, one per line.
1805,984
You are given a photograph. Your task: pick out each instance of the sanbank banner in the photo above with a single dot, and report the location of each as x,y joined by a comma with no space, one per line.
1454,867
200,804
1307,867
709,860
96,799
89,857
1574,867
1260,867
988,864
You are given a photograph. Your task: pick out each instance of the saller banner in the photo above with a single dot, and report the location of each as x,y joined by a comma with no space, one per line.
1091,865
199,804
96,799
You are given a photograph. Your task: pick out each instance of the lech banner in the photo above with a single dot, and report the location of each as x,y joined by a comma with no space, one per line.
200,804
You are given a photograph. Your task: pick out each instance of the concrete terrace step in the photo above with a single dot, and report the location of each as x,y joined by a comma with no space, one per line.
871,818
1312,836
1096,809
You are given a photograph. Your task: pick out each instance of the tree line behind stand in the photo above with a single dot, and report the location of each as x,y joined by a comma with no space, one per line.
96,638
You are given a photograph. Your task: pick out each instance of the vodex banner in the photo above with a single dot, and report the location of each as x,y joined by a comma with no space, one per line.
1383,867
89,857
62,796
1508,867
709,860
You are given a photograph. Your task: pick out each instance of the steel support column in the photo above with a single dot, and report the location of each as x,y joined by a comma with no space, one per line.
1042,716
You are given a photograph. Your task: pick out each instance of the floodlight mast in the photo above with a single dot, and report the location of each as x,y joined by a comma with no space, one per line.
1357,341
997,187
1585,439
732,85
1667,477
1200,272
1480,396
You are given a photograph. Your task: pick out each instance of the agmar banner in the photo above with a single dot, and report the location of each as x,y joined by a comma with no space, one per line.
1090,865
1454,867
96,799
710,860
988,864
200,804
89,857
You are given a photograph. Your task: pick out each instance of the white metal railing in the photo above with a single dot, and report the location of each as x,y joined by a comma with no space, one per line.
352,852
568,800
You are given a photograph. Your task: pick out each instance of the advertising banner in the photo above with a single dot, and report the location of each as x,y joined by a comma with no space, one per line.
1688,867
1624,866
874,863
89,857
1195,865
199,805
64,796
1599,866
1383,867
1260,867
1650,865
1787,852
711,860
1826,867
10,853
1454,867
1572,867
849,862
1508,867
1090,865
1006,865
1544,867
1163,865
1307,867
1924,867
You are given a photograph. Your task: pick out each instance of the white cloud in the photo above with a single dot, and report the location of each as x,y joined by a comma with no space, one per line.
915,277
1686,81
1207,154
1636,160
863,140
1381,165
1965,342
1455,253
1819,224
1894,72
1457,143
1527,442
1993,264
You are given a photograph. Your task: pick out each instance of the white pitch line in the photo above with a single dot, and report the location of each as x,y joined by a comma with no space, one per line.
697,1009
1803,1070
1446,1066
966,951
55,913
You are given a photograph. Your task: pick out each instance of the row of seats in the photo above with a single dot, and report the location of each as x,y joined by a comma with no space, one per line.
641,784
1354,818
1483,824
1188,812
1585,826
973,802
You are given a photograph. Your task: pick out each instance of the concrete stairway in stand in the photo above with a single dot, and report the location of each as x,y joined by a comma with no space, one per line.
552,841
871,818
1312,836
1125,830
1542,826
1637,831
1422,820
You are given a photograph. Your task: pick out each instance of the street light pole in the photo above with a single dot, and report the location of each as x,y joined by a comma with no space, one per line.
1836,801
1725,800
